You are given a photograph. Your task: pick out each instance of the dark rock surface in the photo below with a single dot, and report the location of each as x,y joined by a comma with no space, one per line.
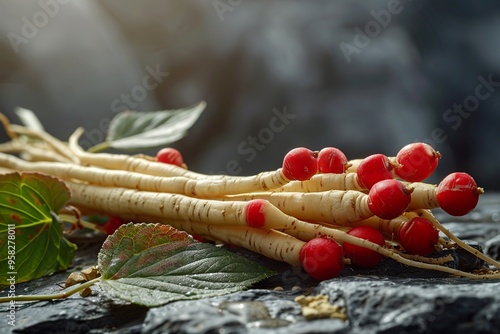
374,305
388,299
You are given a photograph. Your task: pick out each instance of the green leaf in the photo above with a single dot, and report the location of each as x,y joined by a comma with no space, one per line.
28,205
154,264
132,130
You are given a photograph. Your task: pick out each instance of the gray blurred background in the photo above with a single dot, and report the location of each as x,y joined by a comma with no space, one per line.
364,76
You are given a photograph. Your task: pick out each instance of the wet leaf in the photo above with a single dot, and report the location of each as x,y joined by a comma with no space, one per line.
154,264
32,244
133,130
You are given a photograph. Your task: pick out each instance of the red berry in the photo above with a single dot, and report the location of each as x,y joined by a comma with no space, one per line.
374,168
322,258
112,225
388,199
254,213
361,256
418,236
332,160
458,194
171,156
198,238
417,161
300,164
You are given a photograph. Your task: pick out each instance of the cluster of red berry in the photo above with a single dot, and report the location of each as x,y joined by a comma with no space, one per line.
389,185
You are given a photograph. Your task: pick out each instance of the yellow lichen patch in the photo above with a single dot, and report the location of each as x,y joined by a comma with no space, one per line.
486,271
90,273
319,307
86,292
83,276
73,279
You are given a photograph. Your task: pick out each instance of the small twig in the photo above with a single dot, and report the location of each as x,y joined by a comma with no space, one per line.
98,147
6,124
426,214
437,260
31,152
60,295
55,143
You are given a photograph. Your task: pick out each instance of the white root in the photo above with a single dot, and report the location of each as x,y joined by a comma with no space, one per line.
438,260
423,196
341,237
32,151
38,151
428,215
333,207
270,243
136,205
6,124
4,170
308,235
146,166
388,227
58,146
262,181
124,201
216,206
353,165
125,179
324,182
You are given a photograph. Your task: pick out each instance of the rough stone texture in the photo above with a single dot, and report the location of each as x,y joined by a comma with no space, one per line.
74,314
374,305
388,299
394,305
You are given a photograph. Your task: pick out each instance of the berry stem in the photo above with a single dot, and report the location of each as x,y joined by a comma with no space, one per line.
61,295
428,215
